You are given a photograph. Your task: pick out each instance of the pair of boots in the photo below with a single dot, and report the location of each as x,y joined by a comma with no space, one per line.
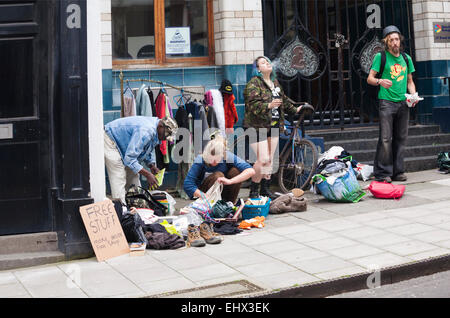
255,191
198,236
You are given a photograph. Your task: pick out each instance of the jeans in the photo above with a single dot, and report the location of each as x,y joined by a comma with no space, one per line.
394,118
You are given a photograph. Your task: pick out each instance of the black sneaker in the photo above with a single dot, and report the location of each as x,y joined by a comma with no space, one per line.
400,177
383,179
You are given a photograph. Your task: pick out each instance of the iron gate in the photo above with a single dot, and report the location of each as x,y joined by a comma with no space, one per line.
322,51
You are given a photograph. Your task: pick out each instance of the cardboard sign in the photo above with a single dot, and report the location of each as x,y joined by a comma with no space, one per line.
104,230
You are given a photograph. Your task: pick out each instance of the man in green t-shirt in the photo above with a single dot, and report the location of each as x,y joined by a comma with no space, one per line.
394,82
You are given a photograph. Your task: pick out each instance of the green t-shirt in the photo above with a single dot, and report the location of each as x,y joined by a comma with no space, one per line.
397,71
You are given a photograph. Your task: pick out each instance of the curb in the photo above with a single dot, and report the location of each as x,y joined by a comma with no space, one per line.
388,275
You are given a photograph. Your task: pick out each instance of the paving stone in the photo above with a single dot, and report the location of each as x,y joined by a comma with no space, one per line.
387,222
240,258
318,215
383,239
13,290
207,272
291,229
287,279
409,247
435,194
355,251
166,285
433,219
379,261
306,253
367,217
327,244
265,269
336,225
190,262
258,237
433,236
410,229
311,236
278,247
360,232
341,273
323,264
429,254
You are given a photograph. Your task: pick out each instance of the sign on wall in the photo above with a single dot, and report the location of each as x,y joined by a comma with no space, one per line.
178,40
441,32
104,230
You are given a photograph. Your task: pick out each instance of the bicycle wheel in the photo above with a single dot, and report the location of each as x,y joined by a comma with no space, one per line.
297,167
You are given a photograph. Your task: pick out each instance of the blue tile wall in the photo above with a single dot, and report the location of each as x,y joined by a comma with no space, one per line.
434,89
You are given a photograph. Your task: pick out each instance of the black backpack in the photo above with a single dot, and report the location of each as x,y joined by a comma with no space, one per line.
372,91
139,197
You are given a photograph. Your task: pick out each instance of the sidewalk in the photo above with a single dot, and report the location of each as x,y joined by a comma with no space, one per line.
328,241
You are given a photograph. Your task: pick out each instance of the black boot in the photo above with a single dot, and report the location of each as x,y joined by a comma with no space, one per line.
254,190
265,191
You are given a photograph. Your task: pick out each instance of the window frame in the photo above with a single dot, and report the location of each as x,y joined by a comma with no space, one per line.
161,60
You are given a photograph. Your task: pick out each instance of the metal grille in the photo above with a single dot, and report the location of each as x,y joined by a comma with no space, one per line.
322,51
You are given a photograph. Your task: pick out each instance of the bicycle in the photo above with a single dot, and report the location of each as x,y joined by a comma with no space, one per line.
298,159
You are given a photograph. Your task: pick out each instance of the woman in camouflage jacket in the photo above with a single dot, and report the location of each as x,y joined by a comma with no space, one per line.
265,107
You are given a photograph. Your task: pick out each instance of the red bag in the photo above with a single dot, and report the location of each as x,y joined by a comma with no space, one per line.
384,190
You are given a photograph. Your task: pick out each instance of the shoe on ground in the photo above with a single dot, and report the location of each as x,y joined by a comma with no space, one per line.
194,238
400,177
208,235
383,179
211,225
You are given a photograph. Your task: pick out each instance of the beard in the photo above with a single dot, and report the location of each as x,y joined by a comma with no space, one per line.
395,49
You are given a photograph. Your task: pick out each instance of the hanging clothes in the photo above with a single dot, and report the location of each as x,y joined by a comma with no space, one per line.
152,101
184,120
143,103
161,113
231,115
129,103
217,104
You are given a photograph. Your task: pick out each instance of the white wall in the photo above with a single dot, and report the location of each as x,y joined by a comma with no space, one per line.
425,12
95,101
238,31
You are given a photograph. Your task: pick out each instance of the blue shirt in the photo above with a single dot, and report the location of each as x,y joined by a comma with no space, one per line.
196,174
135,137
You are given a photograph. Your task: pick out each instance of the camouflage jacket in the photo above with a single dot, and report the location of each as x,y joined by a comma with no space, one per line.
257,96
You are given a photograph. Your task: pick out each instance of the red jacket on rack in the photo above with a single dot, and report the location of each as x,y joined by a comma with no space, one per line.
231,116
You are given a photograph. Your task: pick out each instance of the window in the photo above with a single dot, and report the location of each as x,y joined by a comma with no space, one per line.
162,32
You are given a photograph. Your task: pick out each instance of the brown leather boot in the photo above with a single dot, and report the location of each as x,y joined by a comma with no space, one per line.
194,238
208,235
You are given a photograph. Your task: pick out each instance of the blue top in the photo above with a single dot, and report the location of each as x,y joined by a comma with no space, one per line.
196,174
135,137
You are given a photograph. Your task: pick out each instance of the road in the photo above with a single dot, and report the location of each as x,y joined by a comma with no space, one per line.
432,286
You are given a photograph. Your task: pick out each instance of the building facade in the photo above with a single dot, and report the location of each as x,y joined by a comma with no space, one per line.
75,57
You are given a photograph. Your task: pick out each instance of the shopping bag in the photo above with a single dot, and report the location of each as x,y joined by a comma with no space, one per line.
384,190
344,189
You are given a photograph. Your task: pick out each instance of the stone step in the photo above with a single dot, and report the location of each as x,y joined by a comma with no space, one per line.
20,260
25,243
413,151
371,143
413,164
368,132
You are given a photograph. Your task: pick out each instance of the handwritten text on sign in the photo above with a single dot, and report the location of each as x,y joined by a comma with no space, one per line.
104,230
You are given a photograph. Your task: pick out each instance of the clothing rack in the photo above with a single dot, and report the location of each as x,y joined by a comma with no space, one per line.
163,84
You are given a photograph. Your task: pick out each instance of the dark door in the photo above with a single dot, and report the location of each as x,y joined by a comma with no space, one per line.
323,51
24,151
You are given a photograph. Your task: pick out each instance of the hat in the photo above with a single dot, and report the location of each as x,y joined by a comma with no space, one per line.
226,87
171,128
390,29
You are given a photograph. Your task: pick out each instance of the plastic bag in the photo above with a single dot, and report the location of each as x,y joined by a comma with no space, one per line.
170,201
444,162
363,172
344,189
182,222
